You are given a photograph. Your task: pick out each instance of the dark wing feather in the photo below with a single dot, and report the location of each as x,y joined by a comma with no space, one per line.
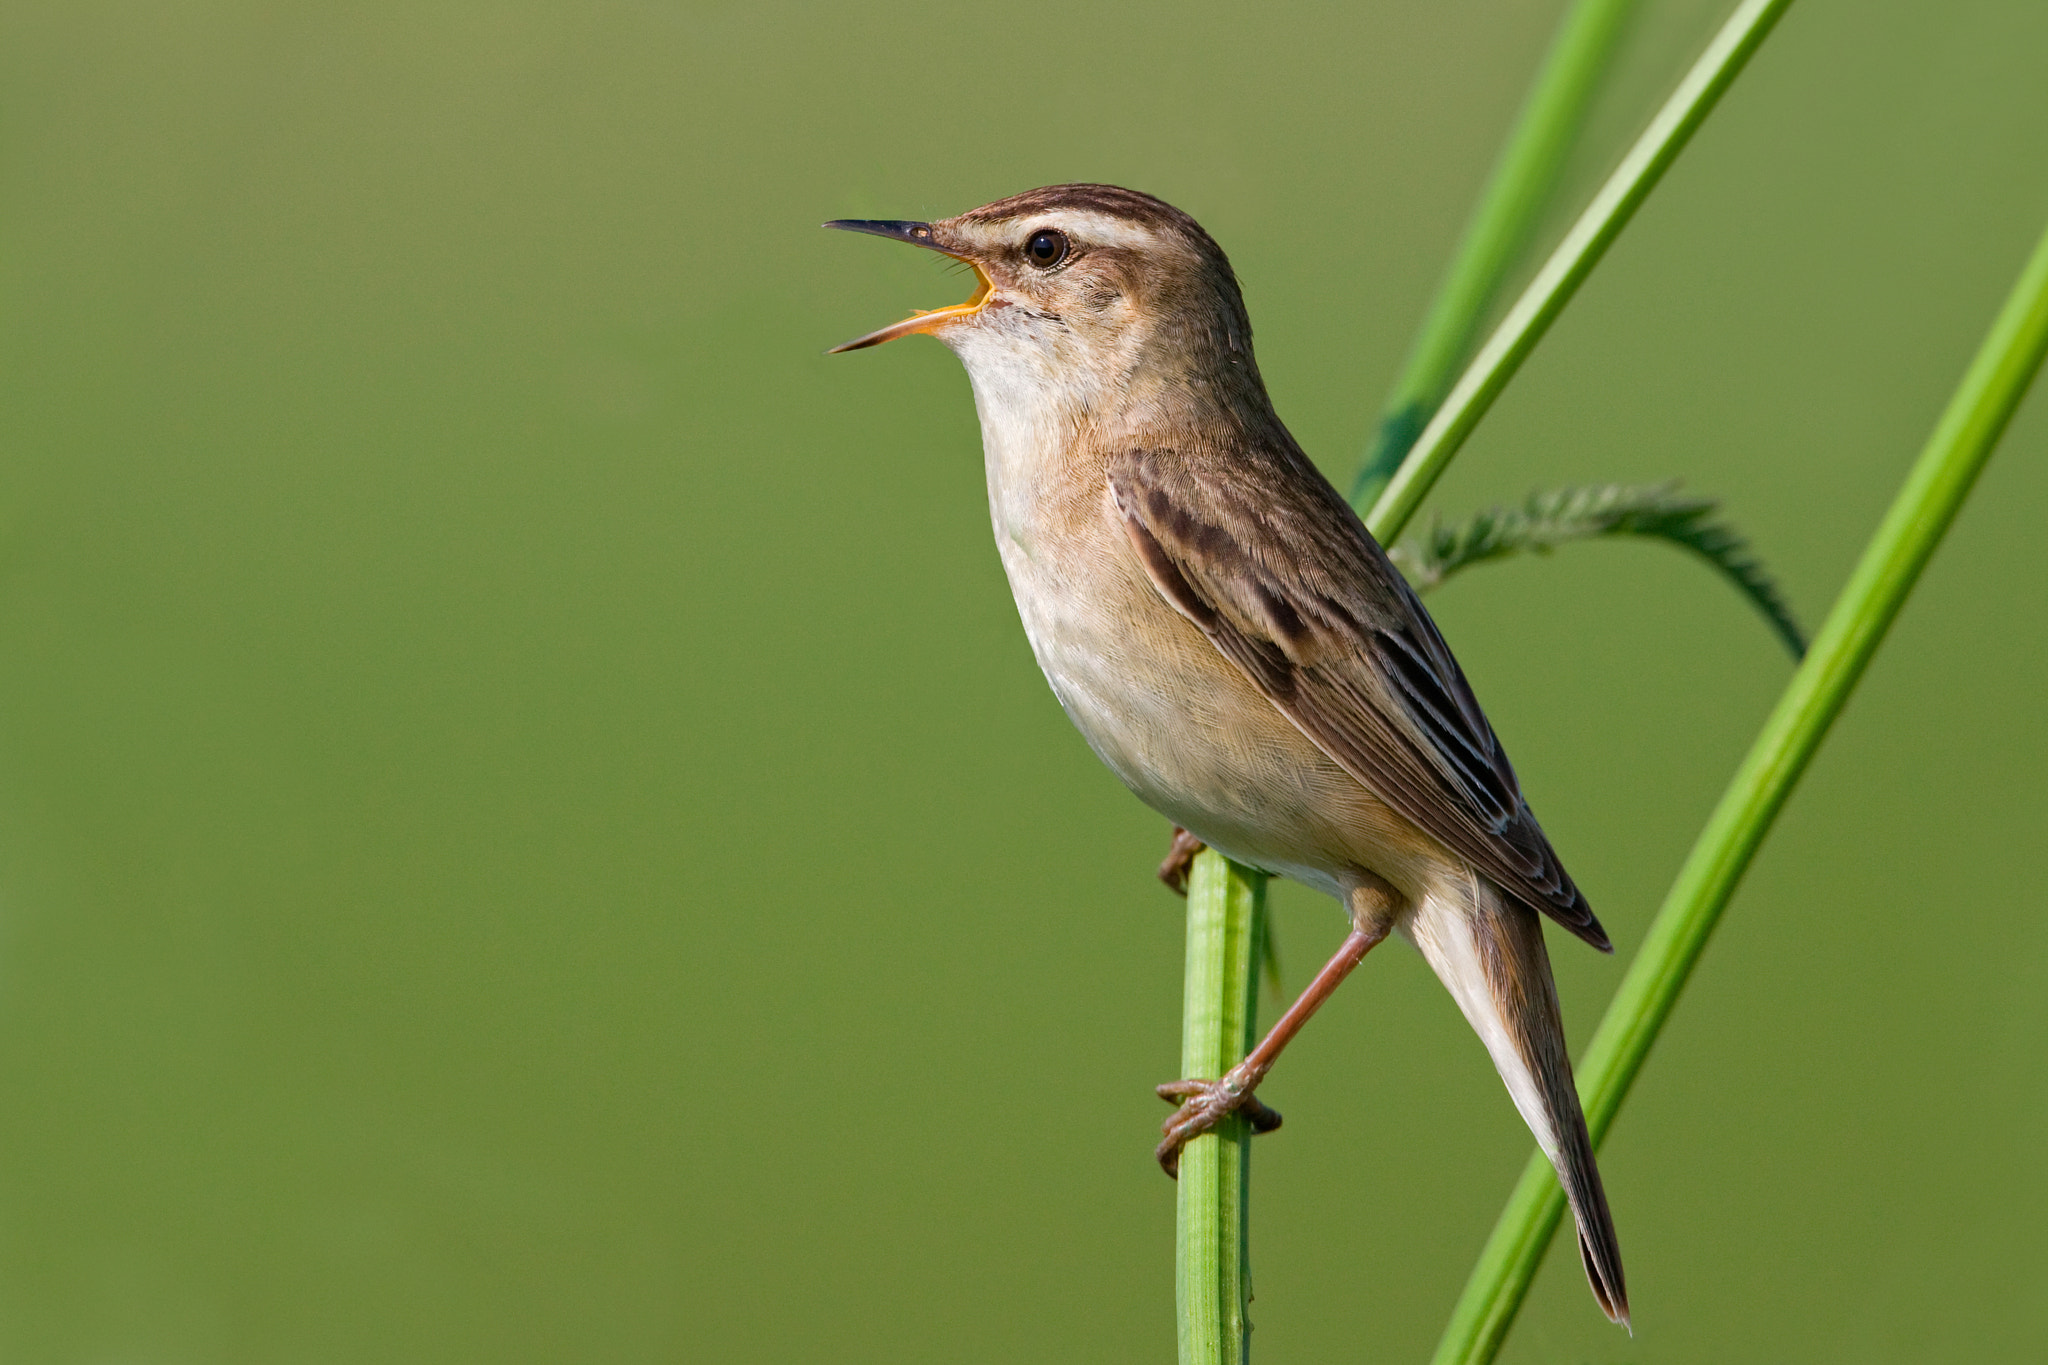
1279,573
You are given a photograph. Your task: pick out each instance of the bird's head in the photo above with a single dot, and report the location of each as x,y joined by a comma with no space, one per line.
1083,285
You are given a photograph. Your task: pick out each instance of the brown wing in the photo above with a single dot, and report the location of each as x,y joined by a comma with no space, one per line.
1279,573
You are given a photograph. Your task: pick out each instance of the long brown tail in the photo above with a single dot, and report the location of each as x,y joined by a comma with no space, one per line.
1488,951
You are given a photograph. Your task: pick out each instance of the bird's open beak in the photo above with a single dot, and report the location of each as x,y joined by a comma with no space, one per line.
917,234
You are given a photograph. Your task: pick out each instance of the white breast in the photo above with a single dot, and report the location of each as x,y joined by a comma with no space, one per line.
1149,693
1060,567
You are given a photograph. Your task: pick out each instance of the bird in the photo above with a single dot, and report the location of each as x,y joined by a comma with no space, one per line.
1235,646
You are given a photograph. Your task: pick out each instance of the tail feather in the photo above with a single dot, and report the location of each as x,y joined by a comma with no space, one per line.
1599,1248
1488,951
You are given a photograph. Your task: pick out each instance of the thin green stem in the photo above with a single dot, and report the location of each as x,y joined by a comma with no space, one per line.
1940,479
1516,194
1226,913
1574,259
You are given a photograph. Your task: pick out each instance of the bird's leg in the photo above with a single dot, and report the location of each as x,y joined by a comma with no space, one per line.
1205,1103
1180,859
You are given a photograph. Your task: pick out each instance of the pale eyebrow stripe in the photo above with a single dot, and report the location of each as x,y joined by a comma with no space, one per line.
1099,227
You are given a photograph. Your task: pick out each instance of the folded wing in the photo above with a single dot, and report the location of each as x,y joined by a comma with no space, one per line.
1291,588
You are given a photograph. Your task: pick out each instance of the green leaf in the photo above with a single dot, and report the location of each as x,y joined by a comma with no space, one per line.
1546,520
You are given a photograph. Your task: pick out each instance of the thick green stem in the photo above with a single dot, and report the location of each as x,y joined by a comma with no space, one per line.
1512,204
1226,909
1919,516
1574,259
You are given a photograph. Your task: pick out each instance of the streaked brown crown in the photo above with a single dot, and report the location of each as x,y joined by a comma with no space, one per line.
1188,292
1114,200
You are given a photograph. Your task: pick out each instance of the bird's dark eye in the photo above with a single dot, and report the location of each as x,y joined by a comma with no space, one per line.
1046,249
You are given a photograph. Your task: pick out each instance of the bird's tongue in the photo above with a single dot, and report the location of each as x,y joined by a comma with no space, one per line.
925,321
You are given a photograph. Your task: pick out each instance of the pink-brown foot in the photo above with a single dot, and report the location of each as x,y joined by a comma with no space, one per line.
1204,1104
1180,860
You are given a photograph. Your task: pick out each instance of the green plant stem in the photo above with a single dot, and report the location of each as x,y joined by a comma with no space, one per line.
1574,258
1963,439
1226,911
1513,202
1213,1284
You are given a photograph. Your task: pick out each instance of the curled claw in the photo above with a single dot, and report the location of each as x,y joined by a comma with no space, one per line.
1203,1105
1180,859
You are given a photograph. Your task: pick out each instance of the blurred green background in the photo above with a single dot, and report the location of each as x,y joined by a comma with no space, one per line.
529,830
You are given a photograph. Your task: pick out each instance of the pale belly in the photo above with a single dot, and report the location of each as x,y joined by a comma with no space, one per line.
1185,730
